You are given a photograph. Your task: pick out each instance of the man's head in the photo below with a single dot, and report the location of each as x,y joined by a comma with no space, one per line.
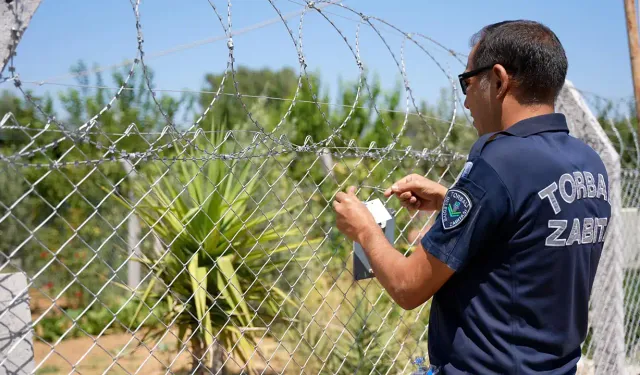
514,67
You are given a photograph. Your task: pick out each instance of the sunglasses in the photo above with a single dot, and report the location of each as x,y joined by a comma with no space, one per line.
466,75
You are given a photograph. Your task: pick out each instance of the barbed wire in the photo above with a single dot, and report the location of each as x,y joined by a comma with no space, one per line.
192,91
612,129
174,49
269,153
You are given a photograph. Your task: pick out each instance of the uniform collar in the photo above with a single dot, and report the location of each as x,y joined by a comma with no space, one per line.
539,124
553,122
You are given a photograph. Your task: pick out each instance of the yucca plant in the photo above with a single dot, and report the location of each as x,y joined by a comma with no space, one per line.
220,245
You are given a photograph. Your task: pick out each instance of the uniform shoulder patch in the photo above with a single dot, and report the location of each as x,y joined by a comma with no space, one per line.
455,208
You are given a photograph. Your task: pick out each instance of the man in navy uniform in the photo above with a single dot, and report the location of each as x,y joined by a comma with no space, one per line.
511,259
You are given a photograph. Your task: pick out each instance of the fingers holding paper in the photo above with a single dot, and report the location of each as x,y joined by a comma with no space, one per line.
353,218
416,192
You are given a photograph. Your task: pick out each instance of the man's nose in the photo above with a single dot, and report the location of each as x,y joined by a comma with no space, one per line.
465,102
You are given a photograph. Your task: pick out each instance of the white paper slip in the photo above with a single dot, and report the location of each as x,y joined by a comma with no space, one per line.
379,212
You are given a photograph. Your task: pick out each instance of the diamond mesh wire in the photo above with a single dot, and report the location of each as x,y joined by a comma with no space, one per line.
612,341
211,248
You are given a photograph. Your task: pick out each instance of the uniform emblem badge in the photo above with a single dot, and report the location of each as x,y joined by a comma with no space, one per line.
455,209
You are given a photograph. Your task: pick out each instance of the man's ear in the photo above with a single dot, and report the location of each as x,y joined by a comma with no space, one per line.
502,82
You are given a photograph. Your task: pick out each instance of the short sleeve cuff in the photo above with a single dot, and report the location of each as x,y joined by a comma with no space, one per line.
440,254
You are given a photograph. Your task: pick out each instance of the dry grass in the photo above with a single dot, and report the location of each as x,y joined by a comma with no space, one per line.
87,356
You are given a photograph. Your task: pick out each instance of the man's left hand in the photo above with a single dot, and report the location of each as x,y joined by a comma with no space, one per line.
353,218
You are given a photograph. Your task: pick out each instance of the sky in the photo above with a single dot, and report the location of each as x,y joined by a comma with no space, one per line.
103,32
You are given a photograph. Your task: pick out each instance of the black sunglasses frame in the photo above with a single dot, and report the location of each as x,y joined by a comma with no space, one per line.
463,77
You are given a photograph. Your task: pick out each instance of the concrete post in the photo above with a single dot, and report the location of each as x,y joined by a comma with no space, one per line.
16,335
15,16
607,298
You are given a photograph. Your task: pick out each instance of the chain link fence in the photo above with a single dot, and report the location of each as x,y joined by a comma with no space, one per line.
621,132
151,246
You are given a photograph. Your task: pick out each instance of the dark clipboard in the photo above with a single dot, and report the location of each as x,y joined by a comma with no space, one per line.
361,266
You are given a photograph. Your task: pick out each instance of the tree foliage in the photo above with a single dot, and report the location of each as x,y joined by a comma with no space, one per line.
71,220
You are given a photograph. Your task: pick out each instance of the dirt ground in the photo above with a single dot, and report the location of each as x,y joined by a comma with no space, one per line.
121,353
89,357
99,357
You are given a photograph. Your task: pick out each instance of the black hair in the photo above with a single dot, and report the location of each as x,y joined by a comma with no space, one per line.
529,51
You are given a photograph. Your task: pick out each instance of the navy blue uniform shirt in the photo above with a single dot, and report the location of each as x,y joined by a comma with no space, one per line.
523,228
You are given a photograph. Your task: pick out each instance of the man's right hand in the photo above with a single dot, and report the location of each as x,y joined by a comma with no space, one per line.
418,193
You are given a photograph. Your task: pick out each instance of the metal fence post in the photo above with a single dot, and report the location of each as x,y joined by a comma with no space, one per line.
133,233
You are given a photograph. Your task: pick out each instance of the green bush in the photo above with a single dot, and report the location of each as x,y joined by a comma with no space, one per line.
98,319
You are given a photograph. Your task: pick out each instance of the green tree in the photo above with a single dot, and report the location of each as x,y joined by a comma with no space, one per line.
63,219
